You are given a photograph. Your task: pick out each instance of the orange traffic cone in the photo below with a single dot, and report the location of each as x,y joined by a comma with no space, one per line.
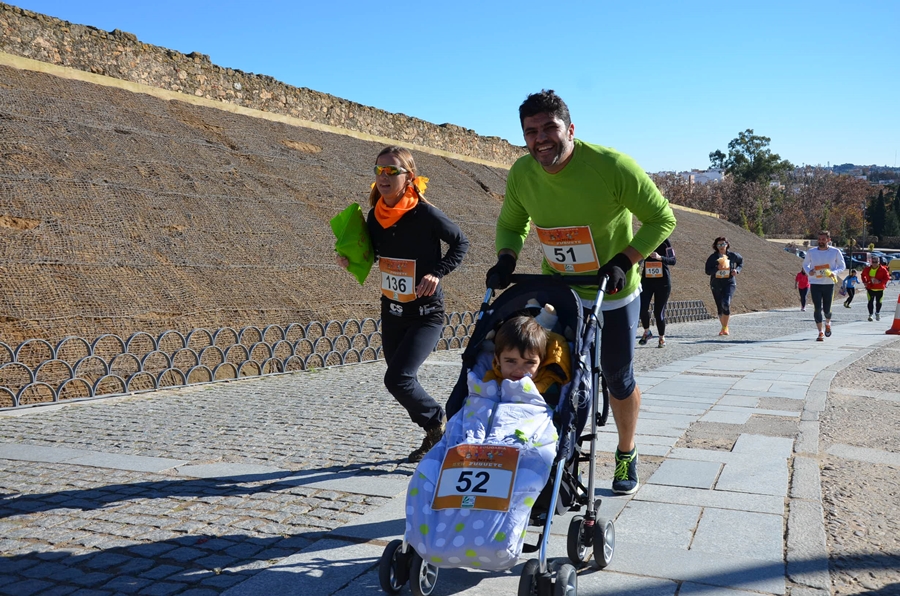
895,328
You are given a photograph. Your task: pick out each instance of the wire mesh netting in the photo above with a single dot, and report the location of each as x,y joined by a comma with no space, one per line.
121,212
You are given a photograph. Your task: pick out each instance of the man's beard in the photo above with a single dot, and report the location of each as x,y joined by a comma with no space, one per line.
555,157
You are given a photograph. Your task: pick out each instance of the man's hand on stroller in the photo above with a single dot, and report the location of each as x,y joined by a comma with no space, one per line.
614,270
497,277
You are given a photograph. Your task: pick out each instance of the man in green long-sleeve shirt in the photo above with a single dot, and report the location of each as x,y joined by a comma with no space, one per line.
580,198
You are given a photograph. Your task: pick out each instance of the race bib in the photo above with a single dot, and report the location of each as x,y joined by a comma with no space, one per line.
398,279
569,250
723,273
653,269
477,477
819,271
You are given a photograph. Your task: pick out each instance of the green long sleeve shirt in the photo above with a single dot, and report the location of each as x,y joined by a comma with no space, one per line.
599,188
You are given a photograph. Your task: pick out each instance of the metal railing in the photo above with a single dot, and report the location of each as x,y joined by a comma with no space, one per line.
37,372
683,311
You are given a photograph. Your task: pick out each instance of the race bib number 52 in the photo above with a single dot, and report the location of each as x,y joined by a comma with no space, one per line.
477,477
569,250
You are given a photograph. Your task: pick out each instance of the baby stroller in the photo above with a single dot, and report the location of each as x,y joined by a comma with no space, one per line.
584,399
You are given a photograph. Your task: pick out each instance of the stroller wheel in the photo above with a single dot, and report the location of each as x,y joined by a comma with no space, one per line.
604,541
423,576
393,569
566,581
528,583
580,539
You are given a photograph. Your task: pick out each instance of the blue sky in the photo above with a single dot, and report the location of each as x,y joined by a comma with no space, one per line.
666,82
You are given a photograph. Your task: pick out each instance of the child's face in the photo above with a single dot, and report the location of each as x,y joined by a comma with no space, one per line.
514,365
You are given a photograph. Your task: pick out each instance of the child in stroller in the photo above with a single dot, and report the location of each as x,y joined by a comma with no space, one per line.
474,494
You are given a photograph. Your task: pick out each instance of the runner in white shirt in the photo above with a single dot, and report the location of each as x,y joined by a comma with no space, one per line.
822,264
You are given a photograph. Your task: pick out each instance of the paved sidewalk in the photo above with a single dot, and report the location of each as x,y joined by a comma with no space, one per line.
294,484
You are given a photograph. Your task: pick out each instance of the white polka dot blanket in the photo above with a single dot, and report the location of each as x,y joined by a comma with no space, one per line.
499,450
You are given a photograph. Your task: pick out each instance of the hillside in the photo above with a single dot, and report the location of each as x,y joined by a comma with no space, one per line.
122,212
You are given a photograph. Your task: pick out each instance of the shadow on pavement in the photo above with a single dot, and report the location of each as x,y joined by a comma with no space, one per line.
221,562
730,341
226,486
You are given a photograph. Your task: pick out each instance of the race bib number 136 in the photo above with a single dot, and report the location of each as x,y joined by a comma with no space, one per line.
398,277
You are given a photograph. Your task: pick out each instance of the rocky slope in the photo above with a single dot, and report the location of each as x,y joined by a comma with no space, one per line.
122,212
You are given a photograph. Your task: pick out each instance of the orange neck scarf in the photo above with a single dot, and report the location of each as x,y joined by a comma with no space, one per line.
388,216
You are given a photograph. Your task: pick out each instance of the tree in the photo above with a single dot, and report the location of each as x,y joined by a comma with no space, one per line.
891,225
749,159
877,214
892,215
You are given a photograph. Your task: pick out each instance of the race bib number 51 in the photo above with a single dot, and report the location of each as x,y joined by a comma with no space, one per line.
477,477
398,278
569,250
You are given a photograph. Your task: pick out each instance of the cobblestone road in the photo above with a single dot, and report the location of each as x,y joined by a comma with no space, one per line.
87,530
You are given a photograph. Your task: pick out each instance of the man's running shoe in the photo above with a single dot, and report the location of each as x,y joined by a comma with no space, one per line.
432,436
647,335
827,330
662,342
878,316
625,478
821,337
870,318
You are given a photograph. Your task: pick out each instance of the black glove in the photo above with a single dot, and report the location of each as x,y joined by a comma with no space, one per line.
615,271
497,276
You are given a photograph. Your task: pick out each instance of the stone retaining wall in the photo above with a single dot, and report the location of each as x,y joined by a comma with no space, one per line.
121,55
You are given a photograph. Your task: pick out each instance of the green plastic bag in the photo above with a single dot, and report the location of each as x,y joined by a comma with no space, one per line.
353,242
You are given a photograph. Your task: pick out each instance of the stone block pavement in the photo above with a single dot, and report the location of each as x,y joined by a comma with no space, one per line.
294,484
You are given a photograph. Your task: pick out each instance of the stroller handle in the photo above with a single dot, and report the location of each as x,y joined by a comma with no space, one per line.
569,280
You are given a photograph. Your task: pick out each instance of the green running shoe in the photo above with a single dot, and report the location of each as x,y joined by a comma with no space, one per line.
625,478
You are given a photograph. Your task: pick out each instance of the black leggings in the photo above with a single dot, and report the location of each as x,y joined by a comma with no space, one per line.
407,342
723,294
851,292
875,296
803,292
660,296
821,299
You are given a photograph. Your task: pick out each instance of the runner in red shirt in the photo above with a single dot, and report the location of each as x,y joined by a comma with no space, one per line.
801,282
875,277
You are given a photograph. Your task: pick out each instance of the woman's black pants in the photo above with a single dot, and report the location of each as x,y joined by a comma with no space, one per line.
407,342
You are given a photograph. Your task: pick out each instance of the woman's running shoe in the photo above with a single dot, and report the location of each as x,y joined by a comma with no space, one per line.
647,335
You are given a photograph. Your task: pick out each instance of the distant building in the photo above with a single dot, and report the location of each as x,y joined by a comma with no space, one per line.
703,176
